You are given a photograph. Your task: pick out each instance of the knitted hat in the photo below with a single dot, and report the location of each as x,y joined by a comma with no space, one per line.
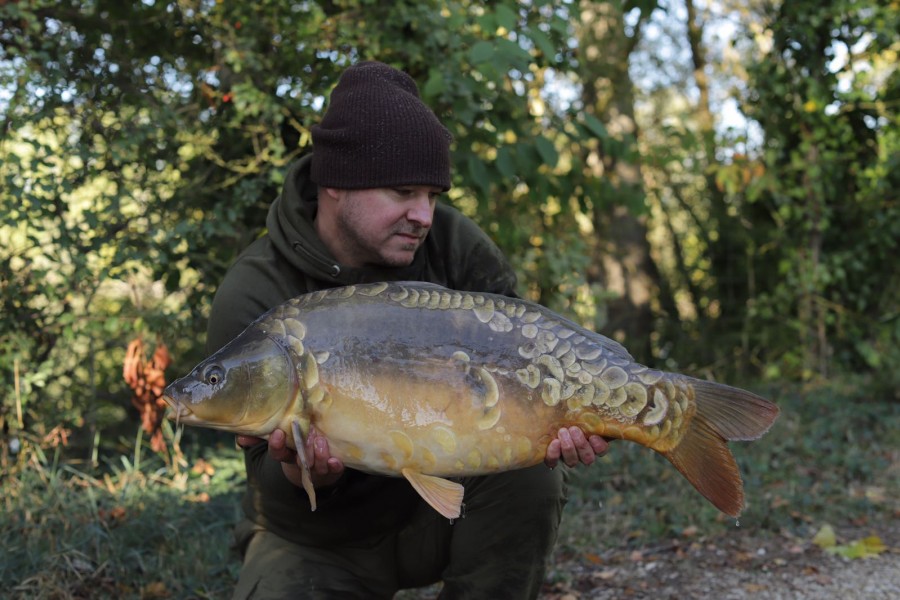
378,133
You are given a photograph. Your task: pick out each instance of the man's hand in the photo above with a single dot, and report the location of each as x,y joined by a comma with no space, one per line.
573,447
324,469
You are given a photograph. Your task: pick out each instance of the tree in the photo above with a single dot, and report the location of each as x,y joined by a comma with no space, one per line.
618,213
831,143
143,142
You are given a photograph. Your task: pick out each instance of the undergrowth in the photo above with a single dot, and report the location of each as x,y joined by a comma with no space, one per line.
153,527
128,529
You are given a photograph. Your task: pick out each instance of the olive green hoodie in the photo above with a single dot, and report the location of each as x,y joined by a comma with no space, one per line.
291,260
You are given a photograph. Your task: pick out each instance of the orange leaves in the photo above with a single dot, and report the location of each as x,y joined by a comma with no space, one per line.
113,516
147,379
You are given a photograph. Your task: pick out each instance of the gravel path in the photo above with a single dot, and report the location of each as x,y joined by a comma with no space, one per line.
736,568
733,567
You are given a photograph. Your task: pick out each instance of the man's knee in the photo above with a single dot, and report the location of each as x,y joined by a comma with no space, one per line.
275,568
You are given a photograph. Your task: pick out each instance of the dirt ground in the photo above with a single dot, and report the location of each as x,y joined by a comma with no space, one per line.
734,567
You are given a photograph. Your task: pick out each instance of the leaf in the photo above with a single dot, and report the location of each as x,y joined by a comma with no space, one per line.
478,174
435,84
156,589
506,17
825,538
547,151
543,42
867,547
511,54
505,163
596,127
481,52
864,548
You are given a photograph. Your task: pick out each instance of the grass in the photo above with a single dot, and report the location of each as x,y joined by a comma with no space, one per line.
832,457
139,527
136,531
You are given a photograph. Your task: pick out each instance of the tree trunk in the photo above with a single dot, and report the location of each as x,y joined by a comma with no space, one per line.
726,305
624,265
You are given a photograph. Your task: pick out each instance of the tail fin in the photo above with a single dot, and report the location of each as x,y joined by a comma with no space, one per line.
723,413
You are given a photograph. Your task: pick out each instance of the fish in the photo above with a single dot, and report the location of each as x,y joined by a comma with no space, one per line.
416,380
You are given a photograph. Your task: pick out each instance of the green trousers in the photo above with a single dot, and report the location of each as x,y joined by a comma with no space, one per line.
498,549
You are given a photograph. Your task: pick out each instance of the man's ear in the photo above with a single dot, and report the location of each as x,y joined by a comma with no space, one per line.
332,193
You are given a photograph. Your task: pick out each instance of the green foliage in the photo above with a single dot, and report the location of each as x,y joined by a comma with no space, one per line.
827,205
145,140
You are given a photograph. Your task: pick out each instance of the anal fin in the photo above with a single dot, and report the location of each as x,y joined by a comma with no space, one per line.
441,494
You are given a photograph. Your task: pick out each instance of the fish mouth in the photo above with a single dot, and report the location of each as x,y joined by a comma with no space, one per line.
177,411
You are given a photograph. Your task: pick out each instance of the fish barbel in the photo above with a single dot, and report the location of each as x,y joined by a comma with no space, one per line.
416,380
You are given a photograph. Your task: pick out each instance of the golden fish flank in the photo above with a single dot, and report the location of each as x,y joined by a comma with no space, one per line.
423,382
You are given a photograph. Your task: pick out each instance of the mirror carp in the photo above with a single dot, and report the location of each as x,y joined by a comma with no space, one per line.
416,380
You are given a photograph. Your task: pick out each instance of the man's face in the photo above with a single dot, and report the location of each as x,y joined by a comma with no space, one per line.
383,226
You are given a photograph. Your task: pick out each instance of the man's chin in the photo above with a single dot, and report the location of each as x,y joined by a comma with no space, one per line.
403,258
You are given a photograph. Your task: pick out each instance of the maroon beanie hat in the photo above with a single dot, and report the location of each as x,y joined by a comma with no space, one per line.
378,133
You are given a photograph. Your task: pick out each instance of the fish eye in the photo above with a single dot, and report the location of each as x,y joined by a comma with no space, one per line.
213,375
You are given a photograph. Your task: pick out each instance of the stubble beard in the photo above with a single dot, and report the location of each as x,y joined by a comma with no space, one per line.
371,252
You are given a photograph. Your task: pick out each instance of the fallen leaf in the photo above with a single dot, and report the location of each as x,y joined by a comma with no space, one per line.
605,575
157,589
113,516
864,548
779,502
201,467
201,497
825,538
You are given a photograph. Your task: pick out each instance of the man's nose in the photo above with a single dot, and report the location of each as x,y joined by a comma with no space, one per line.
421,212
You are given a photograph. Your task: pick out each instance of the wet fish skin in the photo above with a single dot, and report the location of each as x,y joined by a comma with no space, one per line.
416,380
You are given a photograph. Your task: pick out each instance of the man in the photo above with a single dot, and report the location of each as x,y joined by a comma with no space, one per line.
363,208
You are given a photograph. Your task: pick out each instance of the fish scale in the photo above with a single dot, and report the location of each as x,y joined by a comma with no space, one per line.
416,380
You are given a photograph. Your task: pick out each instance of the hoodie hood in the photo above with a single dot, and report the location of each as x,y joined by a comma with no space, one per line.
291,227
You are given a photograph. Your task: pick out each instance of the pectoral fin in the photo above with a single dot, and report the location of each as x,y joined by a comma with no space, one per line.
441,494
305,478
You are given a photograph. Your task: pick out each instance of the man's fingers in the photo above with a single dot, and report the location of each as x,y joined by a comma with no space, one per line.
599,444
567,447
277,439
320,455
248,441
551,457
278,449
